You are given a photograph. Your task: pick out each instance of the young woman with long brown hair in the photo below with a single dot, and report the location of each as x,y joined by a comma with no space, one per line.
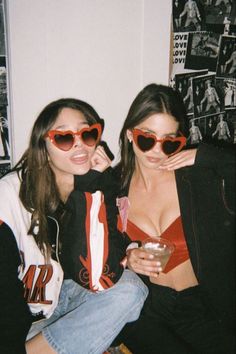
38,294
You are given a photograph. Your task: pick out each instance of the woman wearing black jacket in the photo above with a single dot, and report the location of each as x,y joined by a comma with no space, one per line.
187,197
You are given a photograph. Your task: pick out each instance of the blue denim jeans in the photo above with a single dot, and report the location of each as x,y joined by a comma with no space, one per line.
85,322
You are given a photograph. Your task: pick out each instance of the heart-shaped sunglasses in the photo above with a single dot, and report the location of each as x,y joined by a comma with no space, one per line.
146,141
65,140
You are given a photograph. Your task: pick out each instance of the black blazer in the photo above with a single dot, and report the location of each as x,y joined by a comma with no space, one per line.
206,194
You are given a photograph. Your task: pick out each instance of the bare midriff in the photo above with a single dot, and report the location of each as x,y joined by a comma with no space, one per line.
179,278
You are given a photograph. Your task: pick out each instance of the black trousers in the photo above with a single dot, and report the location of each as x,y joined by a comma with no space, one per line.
176,322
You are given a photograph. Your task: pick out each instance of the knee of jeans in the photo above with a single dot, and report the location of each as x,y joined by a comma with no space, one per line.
134,287
134,301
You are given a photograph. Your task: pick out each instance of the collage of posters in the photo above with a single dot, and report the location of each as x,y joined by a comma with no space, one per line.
204,67
5,151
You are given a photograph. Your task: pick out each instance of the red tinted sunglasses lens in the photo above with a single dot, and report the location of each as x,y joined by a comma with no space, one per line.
170,147
64,141
144,143
90,137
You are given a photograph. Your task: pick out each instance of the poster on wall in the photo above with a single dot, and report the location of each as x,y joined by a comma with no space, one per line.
204,66
5,145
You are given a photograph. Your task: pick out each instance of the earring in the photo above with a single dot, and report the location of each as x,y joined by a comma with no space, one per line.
130,140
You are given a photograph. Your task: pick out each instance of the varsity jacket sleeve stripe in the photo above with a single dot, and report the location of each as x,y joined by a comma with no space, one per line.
92,246
97,238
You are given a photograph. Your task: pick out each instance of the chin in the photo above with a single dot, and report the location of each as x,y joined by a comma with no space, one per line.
81,170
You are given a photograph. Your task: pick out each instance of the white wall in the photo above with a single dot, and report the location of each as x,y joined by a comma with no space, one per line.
101,51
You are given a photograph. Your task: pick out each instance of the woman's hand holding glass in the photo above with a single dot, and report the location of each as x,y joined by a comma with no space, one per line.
142,262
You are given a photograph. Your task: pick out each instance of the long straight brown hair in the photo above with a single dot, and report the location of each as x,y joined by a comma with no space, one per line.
151,100
38,190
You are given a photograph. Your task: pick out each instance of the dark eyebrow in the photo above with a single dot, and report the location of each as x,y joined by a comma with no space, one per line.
146,130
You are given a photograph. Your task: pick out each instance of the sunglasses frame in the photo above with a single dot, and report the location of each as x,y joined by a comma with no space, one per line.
137,132
51,135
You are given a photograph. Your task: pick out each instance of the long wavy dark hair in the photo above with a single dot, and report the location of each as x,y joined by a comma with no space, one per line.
38,190
151,100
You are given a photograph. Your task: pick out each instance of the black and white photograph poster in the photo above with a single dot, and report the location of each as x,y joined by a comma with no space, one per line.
207,99
5,148
203,66
227,87
226,63
188,15
202,51
183,84
220,16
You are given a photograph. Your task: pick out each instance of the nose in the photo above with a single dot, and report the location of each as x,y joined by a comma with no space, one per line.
78,141
157,147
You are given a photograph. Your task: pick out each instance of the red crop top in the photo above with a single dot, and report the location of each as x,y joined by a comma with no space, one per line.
174,233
